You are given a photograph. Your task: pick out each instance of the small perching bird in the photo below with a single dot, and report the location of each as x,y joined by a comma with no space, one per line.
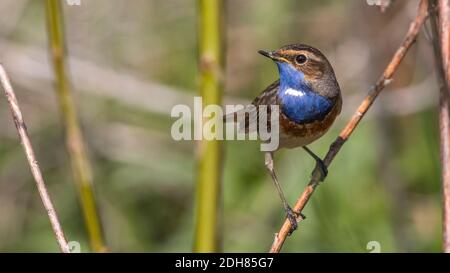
309,100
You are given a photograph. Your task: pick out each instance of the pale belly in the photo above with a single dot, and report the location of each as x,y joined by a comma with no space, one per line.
290,141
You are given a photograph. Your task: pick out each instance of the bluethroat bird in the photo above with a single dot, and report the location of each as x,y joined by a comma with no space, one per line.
309,100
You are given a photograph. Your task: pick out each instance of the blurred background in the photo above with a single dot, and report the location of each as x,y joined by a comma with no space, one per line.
131,61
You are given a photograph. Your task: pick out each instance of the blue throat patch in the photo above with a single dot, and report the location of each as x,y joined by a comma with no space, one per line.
299,102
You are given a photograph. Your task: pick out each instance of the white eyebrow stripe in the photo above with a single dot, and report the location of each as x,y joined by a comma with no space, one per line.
293,92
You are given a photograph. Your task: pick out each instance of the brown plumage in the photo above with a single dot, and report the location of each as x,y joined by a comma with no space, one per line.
309,100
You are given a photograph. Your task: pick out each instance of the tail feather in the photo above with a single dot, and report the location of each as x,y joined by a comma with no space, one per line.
247,119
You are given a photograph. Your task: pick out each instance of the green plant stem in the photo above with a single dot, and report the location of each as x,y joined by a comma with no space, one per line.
207,235
74,140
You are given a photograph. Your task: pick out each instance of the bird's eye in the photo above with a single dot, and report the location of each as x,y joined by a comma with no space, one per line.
301,59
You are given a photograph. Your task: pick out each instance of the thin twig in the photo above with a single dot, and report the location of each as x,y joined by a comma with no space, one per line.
81,166
444,30
335,147
26,143
440,27
211,56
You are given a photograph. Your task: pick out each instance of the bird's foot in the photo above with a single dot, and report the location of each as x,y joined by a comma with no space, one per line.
293,218
321,168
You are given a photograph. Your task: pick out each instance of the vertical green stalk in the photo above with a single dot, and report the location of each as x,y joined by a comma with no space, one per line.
74,140
211,50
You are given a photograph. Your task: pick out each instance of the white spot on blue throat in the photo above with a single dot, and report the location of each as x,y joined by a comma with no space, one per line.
294,92
300,102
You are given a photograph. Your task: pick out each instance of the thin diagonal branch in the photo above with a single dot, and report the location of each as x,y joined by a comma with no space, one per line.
335,147
441,31
26,143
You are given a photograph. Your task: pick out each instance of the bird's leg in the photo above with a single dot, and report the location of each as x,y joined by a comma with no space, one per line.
319,164
291,215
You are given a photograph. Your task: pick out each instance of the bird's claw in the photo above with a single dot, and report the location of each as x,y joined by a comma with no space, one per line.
294,218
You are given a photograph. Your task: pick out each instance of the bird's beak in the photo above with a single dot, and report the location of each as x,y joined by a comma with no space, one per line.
272,55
